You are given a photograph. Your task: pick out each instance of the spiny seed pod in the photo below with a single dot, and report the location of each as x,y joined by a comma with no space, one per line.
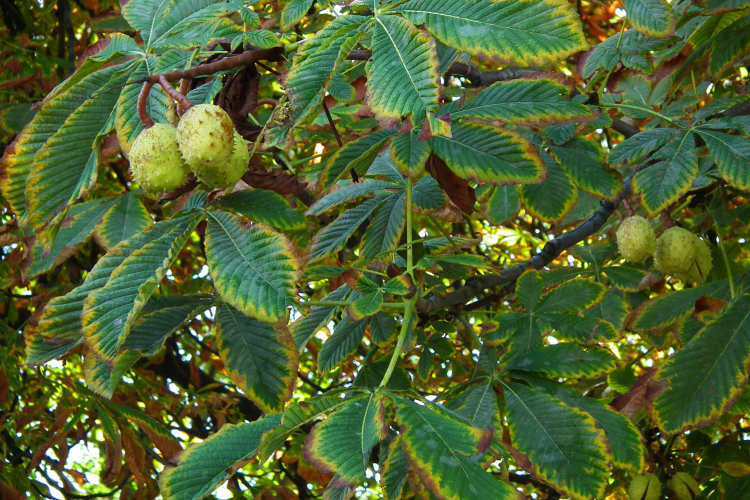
155,159
226,174
636,239
701,266
683,486
646,487
205,135
675,251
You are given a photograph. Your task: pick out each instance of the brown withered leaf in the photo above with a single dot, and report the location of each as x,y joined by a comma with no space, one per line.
135,455
640,396
457,189
239,97
280,181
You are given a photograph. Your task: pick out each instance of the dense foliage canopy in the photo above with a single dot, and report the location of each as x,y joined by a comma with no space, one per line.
480,249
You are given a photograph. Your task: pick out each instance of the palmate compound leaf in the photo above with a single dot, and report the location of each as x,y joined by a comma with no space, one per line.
731,154
403,74
442,449
264,206
563,444
61,321
488,154
654,18
525,102
181,23
624,437
254,268
260,359
708,374
342,442
566,361
109,311
522,33
203,466
65,168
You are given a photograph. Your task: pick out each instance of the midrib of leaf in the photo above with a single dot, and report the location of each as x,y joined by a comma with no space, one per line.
239,251
545,431
467,146
364,420
403,63
157,16
476,411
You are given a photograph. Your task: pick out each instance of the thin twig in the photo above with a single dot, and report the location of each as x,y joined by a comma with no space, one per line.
246,58
142,112
182,101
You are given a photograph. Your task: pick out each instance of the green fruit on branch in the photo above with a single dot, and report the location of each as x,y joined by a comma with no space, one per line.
701,266
206,136
683,486
645,487
636,239
155,159
226,174
675,251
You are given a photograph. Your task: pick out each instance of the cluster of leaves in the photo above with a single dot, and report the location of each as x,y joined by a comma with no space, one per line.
306,325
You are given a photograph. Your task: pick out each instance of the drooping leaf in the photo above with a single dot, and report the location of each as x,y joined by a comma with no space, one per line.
357,155
554,197
293,13
109,311
572,296
347,194
365,306
583,161
403,74
641,144
566,447
264,206
254,269
259,358
732,155
525,33
457,189
730,46
393,468
566,361
488,154
708,374
525,102
438,447
203,466
427,195
477,405
343,441
587,330
654,18
126,218
668,308
344,340
383,329
188,24
156,431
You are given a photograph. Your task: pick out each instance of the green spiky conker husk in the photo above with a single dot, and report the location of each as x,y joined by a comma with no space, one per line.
636,239
155,159
675,251
206,136
645,487
701,266
226,174
683,486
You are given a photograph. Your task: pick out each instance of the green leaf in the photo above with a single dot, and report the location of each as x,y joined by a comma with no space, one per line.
187,23
489,154
342,442
624,438
400,285
654,18
721,6
730,46
525,102
672,176
126,218
65,168
109,311
438,447
263,39
583,161
372,374
249,17
554,197
427,195
637,147
260,359
384,233
342,343
668,308
356,155
566,361
731,154
298,414
572,296
566,447
347,194
383,329
529,289
365,306
503,204
160,317
587,331
612,309
206,93
264,206
393,467
409,154
293,13
318,317
101,378
334,236
526,33
403,74
75,230
627,279
477,405
708,374
341,90
254,269
203,466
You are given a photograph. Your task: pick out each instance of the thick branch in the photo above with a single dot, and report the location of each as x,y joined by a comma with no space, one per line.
246,58
550,251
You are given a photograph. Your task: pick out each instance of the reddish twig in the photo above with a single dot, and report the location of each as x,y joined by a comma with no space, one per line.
142,112
244,59
628,208
182,101
269,101
184,89
333,125
666,217
268,68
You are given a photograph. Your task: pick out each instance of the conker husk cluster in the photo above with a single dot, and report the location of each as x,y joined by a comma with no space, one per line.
682,254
